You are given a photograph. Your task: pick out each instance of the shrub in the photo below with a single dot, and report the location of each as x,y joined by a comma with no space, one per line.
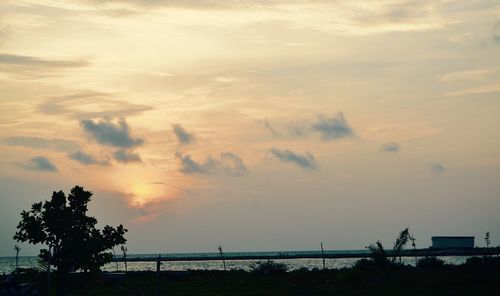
430,262
269,267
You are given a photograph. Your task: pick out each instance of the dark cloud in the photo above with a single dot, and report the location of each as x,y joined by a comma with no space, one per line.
86,159
125,156
306,161
39,163
41,143
29,67
437,168
107,132
182,135
76,105
390,147
227,163
333,128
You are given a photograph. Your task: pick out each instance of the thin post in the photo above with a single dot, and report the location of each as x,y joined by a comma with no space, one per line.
323,255
48,269
158,263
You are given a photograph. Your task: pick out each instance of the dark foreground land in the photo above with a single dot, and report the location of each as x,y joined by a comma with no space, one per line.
480,276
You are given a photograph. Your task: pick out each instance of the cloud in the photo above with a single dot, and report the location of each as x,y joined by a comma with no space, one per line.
125,156
228,163
437,168
107,132
465,75
30,67
182,135
41,143
333,128
483,89
86,159
297,129
391,147
306,161
78,105
38,163
269,126
12,59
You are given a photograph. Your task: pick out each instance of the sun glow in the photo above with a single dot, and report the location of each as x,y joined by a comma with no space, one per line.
141,194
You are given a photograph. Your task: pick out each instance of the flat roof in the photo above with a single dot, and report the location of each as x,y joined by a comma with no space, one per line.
453,237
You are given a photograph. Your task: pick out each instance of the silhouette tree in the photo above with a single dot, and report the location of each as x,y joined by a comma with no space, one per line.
124,252
401,241
378,254
72,239
221,252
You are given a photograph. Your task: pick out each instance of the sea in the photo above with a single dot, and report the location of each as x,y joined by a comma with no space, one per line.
8,264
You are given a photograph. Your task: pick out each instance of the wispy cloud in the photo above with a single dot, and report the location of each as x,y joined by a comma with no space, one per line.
125,156
41,143
107,132
487,88
38,163
269,126
183,136
465,75
437,168
90,104
305,161
391,147
299,129
12,59
30,67
228,163
352,17
86,159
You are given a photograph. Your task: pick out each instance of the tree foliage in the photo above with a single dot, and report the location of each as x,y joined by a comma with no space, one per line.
71,236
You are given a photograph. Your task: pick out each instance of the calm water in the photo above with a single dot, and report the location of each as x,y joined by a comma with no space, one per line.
7,264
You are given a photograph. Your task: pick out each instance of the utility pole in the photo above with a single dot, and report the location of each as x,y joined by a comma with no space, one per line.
158,263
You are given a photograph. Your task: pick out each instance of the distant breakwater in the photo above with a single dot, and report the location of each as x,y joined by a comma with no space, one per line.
288,255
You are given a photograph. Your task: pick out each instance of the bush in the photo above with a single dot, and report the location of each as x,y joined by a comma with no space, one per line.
269,267
431,262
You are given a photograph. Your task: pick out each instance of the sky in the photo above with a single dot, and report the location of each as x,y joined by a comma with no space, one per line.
255,125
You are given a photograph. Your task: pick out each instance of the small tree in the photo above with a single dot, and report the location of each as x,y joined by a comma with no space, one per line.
72,239
378,254
221,252
17,249
401,241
